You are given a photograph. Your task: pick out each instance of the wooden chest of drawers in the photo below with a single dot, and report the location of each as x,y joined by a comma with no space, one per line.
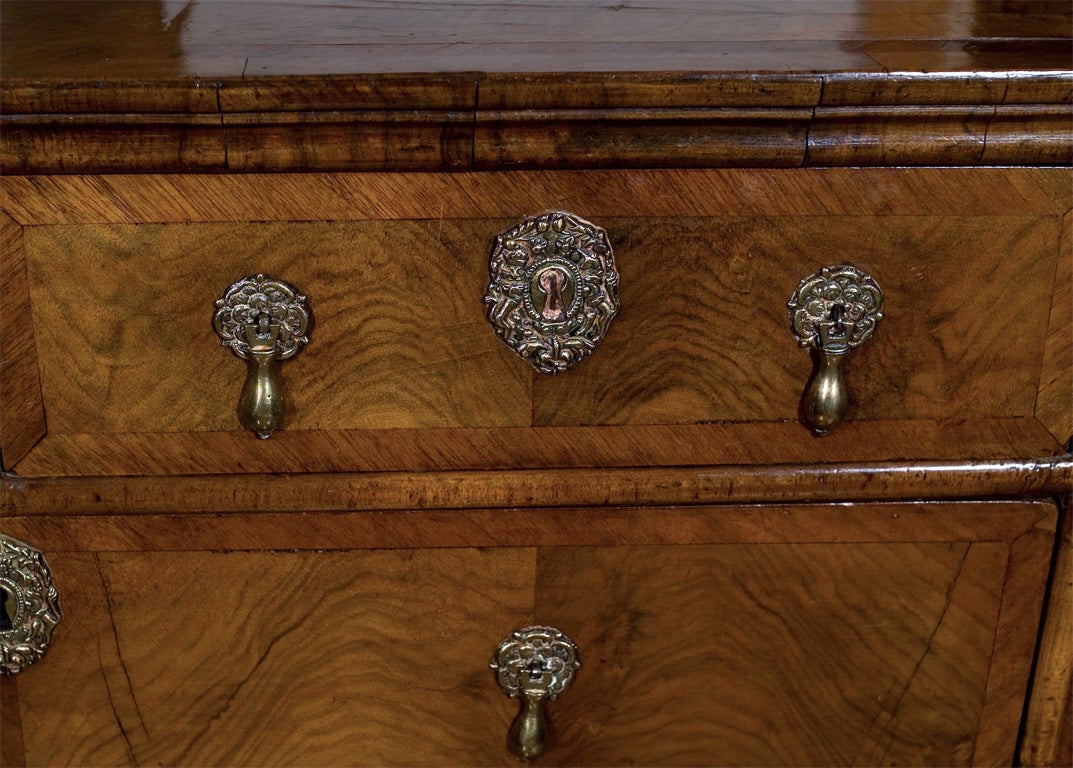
740,591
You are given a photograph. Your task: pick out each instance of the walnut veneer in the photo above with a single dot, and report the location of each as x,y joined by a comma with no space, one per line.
742,593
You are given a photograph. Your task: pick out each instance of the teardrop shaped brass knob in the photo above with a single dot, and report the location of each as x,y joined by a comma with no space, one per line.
831,312
264,321
534,665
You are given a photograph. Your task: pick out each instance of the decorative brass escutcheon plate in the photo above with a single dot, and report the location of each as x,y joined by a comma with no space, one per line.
31,605
552,290
534,665
264,321
831,312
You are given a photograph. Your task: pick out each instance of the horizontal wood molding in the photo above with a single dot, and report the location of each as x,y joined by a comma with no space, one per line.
649,486
547,527
461,121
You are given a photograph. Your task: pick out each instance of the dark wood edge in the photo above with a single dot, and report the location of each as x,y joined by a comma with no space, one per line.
22,410
1052,678
648,486
665,120
971,521
1031,135
536,90
1020,609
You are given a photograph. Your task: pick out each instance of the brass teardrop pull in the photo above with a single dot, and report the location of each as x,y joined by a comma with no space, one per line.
534,665
264,321
831,312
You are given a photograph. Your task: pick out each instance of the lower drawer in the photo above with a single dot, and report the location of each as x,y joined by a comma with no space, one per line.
902,635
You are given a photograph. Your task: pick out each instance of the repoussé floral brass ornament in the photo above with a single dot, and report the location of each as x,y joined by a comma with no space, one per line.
552,290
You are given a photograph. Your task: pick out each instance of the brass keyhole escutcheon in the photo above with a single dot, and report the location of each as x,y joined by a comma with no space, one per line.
552,289
264,321
31,605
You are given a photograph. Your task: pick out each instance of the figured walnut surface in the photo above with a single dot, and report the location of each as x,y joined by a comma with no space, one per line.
708,260
879,649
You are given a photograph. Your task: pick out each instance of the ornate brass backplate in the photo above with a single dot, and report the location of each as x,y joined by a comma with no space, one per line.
831,312
31,605
553,289
534,665
264,321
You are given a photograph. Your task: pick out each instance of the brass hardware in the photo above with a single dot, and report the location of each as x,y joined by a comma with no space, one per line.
831,312
552,290
264,321
534,665
30,608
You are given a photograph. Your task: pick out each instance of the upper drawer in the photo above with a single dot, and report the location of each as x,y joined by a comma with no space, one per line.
120,275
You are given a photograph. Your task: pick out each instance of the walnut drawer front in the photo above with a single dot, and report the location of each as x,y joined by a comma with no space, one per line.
122,274
902,634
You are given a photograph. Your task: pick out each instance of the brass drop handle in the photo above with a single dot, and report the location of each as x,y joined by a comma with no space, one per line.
534,665
832,311
264,321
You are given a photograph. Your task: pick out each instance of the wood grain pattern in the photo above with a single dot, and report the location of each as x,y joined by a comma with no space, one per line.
233,38
1014,644
636,90
646,486
401,140
22,416
773,523
701,333
112,143
381,655
1054,405
898,135
690,345
783,136
193,453
83,664
793,655
598,194
1065,747
12,754
640,138
1032,135
1046,717
400,338
855,642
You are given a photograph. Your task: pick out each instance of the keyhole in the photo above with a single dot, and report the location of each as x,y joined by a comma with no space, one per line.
551,282
6,623
837,313
536,670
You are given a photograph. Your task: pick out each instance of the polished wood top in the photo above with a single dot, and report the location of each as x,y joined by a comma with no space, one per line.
166,39
284,85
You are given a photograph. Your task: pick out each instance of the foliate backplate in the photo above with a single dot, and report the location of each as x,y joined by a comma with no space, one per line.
31,605
845,286
538,661
261,302
552,290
